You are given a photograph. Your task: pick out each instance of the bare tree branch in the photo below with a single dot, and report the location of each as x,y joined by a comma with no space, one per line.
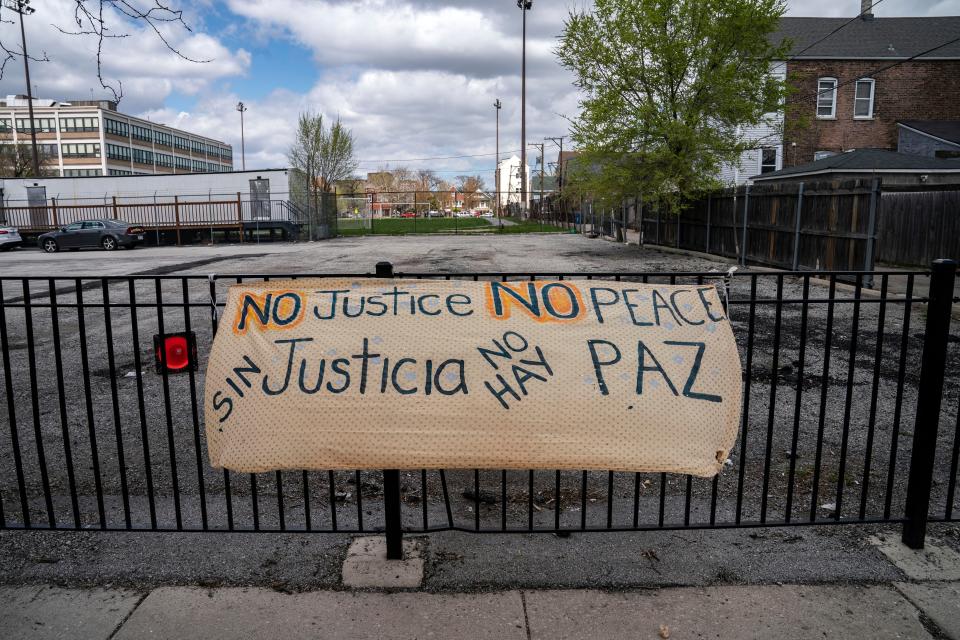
90,21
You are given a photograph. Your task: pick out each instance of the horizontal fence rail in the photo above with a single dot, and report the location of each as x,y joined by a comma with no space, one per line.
94,438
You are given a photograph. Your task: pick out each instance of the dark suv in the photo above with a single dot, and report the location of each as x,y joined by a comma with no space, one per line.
88,234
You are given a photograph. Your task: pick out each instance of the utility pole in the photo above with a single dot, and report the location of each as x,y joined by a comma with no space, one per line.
496,175
23,7
559,142
540,146
243,152
524,6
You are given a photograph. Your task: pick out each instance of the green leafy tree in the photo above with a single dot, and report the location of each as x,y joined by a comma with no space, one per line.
667,88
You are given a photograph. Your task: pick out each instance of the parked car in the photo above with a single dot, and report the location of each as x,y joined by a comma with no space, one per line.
463,214
434,214
106,234
9,238
408,214
486,214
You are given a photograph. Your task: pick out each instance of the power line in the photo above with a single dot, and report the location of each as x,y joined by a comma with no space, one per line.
475,155
878,70
794,57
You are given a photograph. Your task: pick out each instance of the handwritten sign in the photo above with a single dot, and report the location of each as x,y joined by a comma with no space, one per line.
410,374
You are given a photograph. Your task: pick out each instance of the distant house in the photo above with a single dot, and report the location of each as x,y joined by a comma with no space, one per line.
932,138
852,82
891,167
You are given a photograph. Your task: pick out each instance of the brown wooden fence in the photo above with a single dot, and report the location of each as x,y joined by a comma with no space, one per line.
839,225
917,227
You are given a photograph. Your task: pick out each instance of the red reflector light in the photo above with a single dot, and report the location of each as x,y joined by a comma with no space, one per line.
3,232
175,352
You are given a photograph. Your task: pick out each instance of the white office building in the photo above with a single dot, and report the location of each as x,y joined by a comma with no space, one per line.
86,138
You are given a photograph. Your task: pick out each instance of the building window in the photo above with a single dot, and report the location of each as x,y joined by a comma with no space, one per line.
226,154
820,155
119,172
4,125
863,99
164,159
79,124
198,165
768,159
142,156
40,125
827,98
116,128
181,143
182,163
116,152
141,133
80,150
81,173
196,146
163,138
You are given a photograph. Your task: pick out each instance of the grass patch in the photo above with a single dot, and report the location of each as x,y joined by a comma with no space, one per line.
401,226
521,225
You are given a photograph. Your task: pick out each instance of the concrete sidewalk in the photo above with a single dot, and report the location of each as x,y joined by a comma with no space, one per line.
919,597
901,610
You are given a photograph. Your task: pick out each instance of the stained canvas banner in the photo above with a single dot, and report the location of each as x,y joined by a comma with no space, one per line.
411,374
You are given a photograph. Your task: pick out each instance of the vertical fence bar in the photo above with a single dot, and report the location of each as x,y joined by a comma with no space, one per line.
929,397
62,404
115,399
35,404
798,401
743,243
848,401
874,394
12,413
898,402
88,403
871,231
393,527
709,201
796,228
141,409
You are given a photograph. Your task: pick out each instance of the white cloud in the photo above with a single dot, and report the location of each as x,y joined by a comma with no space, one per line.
147,69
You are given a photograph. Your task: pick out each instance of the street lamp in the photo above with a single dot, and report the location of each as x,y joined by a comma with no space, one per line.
496,179
243,152
524,6
23,7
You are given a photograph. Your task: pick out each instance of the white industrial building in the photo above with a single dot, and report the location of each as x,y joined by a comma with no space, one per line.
91,138
509,174
269,184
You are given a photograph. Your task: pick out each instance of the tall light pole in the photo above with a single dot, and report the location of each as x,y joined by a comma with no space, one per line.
524,6
23,7
496,176
243,152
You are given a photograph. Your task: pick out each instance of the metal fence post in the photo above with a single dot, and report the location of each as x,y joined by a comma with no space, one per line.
743,244
929,395
796,231
707,249
393,528
871,231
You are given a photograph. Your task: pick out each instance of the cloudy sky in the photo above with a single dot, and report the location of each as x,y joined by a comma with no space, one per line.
414,79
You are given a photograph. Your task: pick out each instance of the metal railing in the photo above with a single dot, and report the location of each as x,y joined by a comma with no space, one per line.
842,422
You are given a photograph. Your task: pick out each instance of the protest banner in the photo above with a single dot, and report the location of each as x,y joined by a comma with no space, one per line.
411,374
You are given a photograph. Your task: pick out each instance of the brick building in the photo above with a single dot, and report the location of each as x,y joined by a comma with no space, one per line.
850,89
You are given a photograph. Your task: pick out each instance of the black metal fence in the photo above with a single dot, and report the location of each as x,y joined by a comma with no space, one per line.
841,423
